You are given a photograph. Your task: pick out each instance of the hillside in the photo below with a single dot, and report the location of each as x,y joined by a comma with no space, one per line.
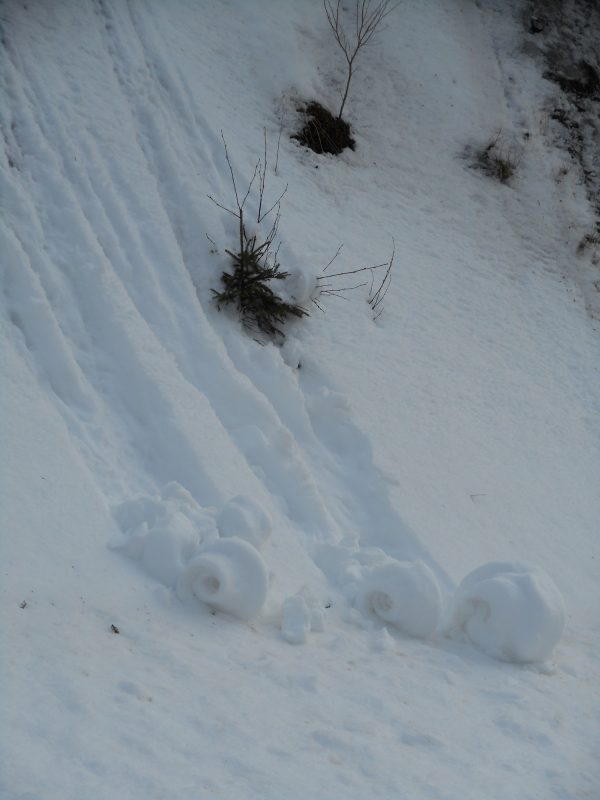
141,427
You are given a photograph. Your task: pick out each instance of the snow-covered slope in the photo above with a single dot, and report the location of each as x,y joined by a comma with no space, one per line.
460,427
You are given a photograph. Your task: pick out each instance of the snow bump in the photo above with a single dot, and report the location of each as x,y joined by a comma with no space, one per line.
243,518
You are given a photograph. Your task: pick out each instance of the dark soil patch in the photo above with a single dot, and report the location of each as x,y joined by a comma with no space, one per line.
583,81
569,47
323,132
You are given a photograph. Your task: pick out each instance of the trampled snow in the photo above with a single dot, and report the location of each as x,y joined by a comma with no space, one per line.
181,504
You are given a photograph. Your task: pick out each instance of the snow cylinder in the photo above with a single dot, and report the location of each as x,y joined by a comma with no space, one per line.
228,575
404,594
513,612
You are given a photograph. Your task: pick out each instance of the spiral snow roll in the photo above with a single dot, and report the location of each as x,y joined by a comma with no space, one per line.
513,612
228,575
405,594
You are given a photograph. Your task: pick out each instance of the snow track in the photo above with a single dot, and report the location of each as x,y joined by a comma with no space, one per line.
123,348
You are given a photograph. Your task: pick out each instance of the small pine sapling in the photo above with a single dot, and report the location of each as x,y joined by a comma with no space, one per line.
255,264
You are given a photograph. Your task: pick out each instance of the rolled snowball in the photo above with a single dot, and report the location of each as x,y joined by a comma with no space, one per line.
513,612
242,517
405,594
168,546
228,575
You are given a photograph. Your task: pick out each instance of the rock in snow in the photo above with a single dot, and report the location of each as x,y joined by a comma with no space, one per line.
228,575
405,594
513,612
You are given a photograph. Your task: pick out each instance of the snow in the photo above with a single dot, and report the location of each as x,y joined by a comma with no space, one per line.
512,611
158,464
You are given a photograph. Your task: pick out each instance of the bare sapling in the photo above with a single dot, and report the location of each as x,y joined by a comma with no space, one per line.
359,31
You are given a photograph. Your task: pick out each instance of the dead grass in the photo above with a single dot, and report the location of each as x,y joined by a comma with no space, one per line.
496,159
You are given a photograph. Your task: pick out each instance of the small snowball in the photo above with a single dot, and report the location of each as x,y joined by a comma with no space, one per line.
371,556
292,353
168,546
315,606
163,532
244,518
513,612
132,542
132,513
296,620
405,594
301,286
177,498
383,642
228,575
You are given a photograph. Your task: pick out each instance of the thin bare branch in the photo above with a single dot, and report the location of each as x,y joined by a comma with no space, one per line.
335,294
276,203
231,170
353,271
278,143
263,177
349,288
229,211
376,300
337,252
252,179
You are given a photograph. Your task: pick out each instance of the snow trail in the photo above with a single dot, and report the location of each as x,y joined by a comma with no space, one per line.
127,292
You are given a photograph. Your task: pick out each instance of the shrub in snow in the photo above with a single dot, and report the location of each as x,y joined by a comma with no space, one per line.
228,575
254,264
405,594
513,612
496,159
244,518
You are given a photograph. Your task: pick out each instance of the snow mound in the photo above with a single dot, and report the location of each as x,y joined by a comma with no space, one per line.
243,518
513,612
301,614
405,594
295,622
168,546
229,575
163,532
